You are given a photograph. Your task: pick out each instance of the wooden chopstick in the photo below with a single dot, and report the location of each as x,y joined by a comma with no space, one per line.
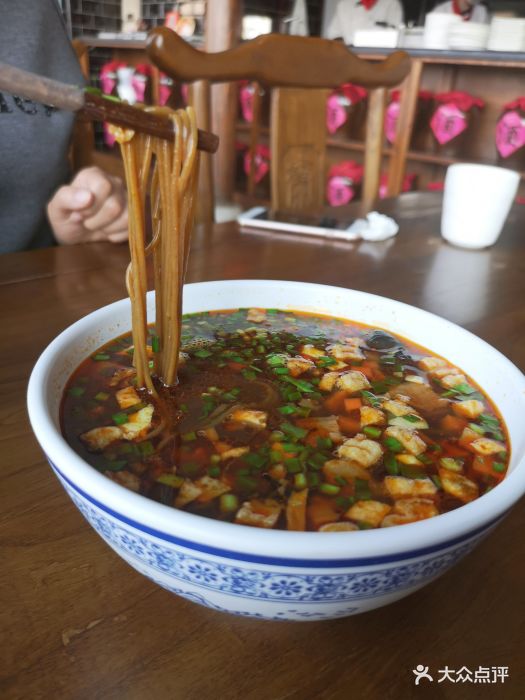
95,107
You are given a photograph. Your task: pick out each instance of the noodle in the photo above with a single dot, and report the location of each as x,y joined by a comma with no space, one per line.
167,172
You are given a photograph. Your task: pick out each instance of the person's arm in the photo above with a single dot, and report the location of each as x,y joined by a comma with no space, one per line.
93,207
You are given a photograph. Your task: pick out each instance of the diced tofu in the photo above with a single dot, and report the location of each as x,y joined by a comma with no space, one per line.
452,380
408,438
253,419
395,519
209,433
416,508
234,452
328,381
127,397
312,351
414,379
338,527
352,381
371,416
210,488
408,459
99,438
371,512
137,424
441,372
256,315
398,408
347,470
331,426
125,478
430,363
401,487
299,365
345,353
296,510
358,449
467,437
458,485
487,446
471,408
188,492
121,374
259,513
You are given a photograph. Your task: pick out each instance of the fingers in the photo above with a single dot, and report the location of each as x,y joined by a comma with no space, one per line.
71,199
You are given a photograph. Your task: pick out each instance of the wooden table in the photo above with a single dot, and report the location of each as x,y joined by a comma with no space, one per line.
77,622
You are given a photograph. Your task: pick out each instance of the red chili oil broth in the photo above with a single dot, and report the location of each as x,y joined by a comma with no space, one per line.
233,364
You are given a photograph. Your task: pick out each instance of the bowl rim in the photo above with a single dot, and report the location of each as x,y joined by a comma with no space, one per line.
240,541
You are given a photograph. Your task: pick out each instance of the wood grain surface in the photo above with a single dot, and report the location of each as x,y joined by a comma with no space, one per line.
77,622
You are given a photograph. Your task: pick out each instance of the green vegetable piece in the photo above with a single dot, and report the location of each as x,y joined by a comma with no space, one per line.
293,465
477,428
372,431
188,437
115,465
293,430
100,356
155,343
202,353
170,480
300,481
146,448
393,444
228,503
214,471
101,396
453,465
391,465
410,471
362,490
120,418
329,489
281,371
498,466
287,410
76,391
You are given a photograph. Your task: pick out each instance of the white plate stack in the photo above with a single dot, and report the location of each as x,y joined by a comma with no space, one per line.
507,34
437,29
468,36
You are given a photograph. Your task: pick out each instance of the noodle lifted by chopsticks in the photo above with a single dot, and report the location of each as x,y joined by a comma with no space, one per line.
168,173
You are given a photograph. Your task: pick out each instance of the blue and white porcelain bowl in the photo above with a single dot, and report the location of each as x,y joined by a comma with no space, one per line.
277,574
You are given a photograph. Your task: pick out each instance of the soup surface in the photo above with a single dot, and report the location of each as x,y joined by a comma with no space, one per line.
291,421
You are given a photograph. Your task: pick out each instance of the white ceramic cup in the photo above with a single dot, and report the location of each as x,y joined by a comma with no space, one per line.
476,203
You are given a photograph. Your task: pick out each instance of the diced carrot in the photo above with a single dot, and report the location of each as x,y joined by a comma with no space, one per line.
352,404
453,424
485,465
321,510
348,425
367,370
335,403
452,450
296,510
278,471
236,366
308,423
221,446
314,435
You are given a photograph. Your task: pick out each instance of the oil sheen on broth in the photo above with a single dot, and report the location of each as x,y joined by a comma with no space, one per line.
290,421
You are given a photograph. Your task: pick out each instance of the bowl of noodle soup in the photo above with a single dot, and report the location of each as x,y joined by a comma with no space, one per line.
268,573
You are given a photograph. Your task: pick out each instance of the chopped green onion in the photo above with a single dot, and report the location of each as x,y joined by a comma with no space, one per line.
287,410
324,443
281,371
437,481
313,479
341,481
372,431
146,448
329,489
276,435
453,465
498,466
362,490
477,428
293,465
228,503
391,465
411,472
155,343
115,465
300,481
170,480
293,430
101,396
76,391
215,459
189,437
203,353
120,418
276,360
214,471
393,444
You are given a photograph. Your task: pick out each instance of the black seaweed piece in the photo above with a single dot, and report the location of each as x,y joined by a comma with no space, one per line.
379,340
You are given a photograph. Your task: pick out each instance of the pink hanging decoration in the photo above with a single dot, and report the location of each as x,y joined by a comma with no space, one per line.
336,114
246,94
262,162
391,117
140,80
165,86
448,122
510,134
339,191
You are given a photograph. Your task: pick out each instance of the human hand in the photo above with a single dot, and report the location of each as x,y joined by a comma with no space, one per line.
93,207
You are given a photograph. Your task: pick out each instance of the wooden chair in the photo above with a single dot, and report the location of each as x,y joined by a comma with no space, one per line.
301,71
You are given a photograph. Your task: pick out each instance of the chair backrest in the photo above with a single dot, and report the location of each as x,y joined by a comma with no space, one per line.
300,70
